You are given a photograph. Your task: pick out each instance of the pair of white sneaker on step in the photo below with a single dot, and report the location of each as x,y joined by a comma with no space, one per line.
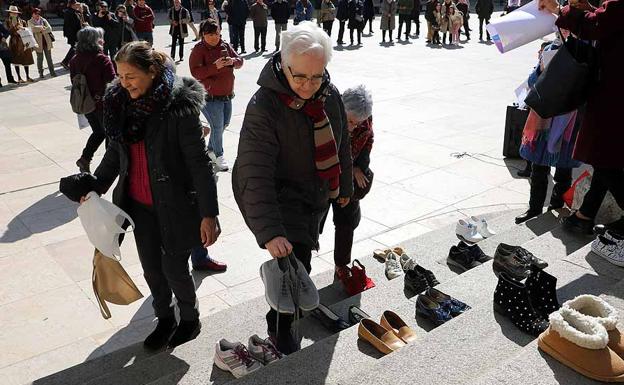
473,229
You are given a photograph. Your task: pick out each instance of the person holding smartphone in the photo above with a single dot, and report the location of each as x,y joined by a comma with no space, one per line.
213,62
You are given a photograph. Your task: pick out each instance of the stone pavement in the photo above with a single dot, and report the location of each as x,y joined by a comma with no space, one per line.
439,118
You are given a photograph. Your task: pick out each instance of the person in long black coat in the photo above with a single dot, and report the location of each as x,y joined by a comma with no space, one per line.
355,10
369,15
484,9
342,14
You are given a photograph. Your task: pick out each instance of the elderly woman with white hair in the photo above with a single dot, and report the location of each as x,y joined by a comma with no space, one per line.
358,104
293,155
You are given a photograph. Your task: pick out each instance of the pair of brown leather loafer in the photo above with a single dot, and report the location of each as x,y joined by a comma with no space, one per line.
390,334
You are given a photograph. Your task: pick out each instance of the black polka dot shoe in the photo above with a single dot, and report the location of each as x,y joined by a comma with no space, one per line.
511,299
542,289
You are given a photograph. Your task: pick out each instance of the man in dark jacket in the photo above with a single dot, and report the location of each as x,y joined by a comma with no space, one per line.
75,17
416,16
237,11
429,9
465,10
281,190
342,14
109,23
280,12
484,9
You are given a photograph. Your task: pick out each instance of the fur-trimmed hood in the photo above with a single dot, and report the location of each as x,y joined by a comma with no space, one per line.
188,96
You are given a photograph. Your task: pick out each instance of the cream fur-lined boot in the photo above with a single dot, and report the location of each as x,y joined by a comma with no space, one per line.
597,308
581,343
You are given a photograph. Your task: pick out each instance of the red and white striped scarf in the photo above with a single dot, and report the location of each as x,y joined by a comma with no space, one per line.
325,152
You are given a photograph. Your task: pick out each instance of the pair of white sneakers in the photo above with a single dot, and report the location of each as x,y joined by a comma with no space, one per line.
239,360
473,229
610,246
396,261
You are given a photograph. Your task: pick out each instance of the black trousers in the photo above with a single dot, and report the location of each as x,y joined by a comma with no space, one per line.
97,135
177,38
164,272
327,27
238,36
487,21
346,220
416,19
407,20
539,186
359,35
603,180
304,254
369,21
466,28
7,69
70,54
341,30
260,37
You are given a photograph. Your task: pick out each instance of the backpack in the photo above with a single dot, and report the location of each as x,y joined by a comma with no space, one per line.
80,97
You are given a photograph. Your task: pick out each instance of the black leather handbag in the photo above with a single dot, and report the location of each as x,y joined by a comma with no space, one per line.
567,81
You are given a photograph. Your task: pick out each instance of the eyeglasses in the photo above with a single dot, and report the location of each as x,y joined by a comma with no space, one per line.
303,79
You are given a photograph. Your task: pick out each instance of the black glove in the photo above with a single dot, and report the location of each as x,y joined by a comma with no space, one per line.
76,186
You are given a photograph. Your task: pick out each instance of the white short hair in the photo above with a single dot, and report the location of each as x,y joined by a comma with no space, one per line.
306,37
358,101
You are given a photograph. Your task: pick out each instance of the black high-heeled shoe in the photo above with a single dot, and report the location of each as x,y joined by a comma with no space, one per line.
511,299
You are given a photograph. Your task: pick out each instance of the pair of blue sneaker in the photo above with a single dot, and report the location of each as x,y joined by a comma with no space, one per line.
438,307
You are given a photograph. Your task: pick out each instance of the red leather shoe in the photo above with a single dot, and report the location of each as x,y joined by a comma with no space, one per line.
209,264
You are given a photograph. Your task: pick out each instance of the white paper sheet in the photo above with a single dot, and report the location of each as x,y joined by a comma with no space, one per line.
522,26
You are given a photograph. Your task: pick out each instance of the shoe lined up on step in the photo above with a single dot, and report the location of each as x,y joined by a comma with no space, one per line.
516,261
465,257
523,254
513,300
438,307
393,267
482,226
356,315
610,246
392,333
330,320
235,358
467,231
583,335
263,350
417,278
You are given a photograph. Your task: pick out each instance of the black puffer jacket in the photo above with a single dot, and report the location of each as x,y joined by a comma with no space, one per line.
274,178
181,178
485,8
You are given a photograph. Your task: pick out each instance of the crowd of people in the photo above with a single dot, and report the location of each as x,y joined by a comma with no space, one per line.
304,147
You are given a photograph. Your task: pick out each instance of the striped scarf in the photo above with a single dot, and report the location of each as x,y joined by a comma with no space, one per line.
325,150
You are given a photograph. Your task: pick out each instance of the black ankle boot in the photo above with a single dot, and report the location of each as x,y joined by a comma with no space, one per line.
185,332
530,213
511,299
160,336
542,289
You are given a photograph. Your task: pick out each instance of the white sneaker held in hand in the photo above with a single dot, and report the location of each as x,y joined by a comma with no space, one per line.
233,357
222,164
467,231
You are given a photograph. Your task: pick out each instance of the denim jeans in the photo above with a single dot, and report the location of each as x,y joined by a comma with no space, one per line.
147,36
218,114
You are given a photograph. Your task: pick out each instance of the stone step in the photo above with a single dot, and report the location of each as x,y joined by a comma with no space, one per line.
533,367
129,362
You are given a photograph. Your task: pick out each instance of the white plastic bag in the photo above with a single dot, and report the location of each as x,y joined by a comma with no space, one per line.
524,25
82,121
102,221
27,38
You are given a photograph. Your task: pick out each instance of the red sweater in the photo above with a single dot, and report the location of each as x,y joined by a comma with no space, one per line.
138,175
143,19
217,82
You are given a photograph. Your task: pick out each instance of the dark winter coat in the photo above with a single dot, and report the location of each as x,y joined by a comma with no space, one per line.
280,11
98,69
274,179
484,9
112,32
356,14
429,9
72,23
601,138
369,10
181,179
416,9
237,11
342,10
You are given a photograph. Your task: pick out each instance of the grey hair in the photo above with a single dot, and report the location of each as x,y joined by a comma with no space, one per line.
89,39
306,37
358,101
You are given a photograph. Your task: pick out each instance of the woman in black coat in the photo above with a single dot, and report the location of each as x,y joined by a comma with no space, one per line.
369,15
355,10
484,9
166,184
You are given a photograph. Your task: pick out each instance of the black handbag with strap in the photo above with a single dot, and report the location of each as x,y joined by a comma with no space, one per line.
567,81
